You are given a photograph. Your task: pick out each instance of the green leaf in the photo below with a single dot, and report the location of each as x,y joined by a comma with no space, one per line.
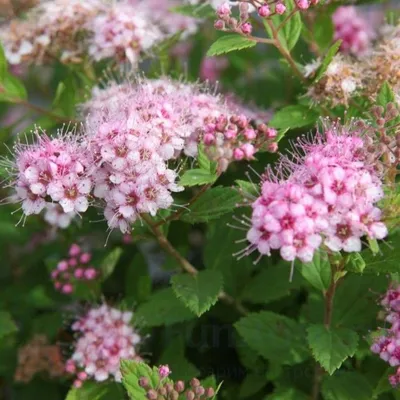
346,386
228,43
174,356
137,280
196,10
330,347
355,263
3,64
195,177
385,95
274,337
318,272
97,391
12,89
287,394
327,60
7,325
373,245
162,308
249,189
198,292
132,371
202,159
383,385
109,263
252,384
212,204
323,30
294,117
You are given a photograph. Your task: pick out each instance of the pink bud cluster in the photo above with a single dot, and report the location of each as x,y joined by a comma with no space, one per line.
235,138
73,269
105,336
353,29
324,194
265,9
387,345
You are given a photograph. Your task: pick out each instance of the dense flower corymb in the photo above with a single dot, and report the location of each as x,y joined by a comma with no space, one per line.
105,336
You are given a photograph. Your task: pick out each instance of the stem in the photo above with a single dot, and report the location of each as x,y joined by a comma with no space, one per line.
185,264
318,371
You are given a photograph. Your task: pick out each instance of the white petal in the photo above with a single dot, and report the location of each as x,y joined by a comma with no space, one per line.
81,204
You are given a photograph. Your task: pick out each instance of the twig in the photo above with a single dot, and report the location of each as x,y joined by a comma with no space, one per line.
186,265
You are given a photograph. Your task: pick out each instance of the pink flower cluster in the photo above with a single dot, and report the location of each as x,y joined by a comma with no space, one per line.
388,344
75,268
325,193
105,336
353,29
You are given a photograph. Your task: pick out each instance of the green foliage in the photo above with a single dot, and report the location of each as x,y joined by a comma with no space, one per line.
327,60
385,95
318,272
97,391
110,262
228,43
197,11
194,177
198,292
294,117
7,325
346,386
331,346
249,189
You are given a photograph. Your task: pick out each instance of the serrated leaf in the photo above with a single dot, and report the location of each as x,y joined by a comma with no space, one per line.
249,189
131,372
162,308
318,272
327,60
212,204
274,337
97,391
385,95
202,159
198,292
109,262
228,43
7,325
291,117
195,177
330,347
346,386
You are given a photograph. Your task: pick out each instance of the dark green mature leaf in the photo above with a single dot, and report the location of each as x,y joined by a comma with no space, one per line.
198,292
318,272
132,371
109,263
346,386
275,337
385,95
212,204
137,280
7,325
287,394
323,30
12,89
228,43
294,117
174,356
327,60
330,347
195,177
383,385
252,383
97,391
162,308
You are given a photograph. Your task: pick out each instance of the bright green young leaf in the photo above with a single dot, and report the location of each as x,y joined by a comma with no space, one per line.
198,292
195,10
132,371
323,30
346,386
212,204
294,117
355,263
202,159
97,391
274,337
327,60
195,177
248,189
162,308
385,95
109,263
7,325
12,90
3,64
318,272
330,347
228,43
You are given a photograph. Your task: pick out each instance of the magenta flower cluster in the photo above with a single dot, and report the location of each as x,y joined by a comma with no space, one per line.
324,194
387,345
105,337
72,269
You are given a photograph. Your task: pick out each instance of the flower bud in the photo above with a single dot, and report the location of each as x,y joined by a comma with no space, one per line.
199,391
264,11
190,395
179,386
238,154
169,387
246,28
280,8
210,392
273,147
271,133
162,391
250,134
219,25
194,383
224,10
152,395
303,4
209,139
164,371
143,382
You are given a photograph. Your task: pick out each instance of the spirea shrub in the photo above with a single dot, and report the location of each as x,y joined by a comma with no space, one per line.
199,200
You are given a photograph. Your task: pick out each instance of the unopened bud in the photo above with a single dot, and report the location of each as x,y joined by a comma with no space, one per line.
194,383
200,391
264,11
381,121
190,395
179,386
169,387
210,392
219,25
246,28
174,395
162,391
152,395
143,382
280,8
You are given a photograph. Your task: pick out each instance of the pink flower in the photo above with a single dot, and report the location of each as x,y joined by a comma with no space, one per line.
164,371
280,8
264,11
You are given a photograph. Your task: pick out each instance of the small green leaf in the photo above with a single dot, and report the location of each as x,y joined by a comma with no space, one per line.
97,391
196,10
195,177
373,245
7,325
12,89
323,30
202,159
228,43
355,263
3,64
346,386
327,60
330,347
162,308
385,95
294,117
274,337
198,292
249,189
109,263
318,272
212,204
